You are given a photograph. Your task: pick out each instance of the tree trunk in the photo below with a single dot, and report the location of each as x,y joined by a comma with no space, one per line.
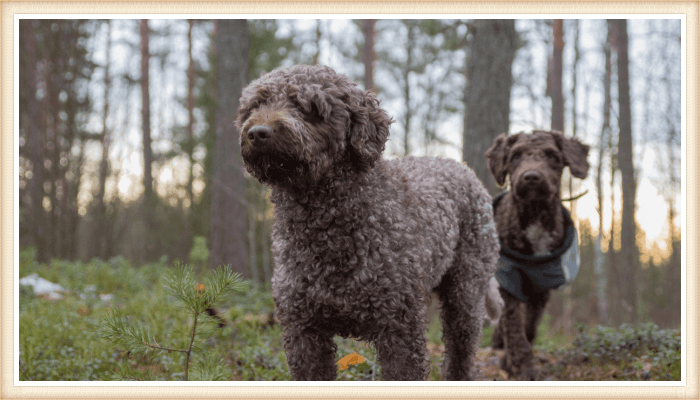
54,62
368,54
36,143
318,43
672,277
228,236
574,112
407,91
574,102
189,148
53,89
99,236
71,180
217,206
70,137
556,77
190,113
604,135
75,226
487,92
618,310
556,93
148,196
613,267
629,254
208,100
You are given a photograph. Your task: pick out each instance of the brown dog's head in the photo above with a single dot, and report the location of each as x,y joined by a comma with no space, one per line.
535,162
304,125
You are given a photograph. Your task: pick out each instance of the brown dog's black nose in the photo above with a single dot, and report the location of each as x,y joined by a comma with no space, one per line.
532,177
259,134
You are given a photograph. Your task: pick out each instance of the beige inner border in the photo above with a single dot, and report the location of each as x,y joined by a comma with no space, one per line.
690,9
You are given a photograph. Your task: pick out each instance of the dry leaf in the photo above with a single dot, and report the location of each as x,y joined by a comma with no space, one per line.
350,359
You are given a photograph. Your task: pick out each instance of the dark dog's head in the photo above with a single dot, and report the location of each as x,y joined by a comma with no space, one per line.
535,162
303,125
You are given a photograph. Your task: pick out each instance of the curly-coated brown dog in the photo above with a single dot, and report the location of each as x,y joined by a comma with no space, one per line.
359,242
531,220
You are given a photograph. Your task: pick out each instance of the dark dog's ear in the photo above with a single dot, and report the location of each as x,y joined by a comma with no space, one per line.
497,157
369,131
575,154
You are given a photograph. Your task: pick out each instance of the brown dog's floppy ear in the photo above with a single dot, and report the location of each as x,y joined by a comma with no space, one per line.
496,157
369,131
575,154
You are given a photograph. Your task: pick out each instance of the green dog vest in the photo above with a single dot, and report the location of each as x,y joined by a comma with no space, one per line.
524,275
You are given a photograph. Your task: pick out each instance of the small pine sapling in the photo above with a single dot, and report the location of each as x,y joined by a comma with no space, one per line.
196,298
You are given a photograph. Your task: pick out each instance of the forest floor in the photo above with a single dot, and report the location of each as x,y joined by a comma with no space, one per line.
553,368
62,312
633,355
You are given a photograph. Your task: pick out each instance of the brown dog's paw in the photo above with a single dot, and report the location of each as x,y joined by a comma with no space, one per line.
527,374
497,340
505,365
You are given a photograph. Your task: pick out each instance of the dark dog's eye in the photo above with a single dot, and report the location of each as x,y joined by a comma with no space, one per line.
515,157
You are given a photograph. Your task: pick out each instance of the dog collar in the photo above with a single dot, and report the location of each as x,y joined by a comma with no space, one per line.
524,275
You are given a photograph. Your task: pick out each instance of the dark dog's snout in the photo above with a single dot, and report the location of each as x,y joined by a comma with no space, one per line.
532,177
532,185
259,134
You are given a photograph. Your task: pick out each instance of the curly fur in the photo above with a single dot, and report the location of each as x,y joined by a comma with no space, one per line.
530,220
359,242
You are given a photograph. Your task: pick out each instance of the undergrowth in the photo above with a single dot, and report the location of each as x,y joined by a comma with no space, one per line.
642,352
61,339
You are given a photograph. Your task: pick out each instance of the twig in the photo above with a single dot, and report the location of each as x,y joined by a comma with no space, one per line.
576,197
153,346
189,349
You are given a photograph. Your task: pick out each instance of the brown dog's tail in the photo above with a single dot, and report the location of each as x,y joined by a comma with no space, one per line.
494,302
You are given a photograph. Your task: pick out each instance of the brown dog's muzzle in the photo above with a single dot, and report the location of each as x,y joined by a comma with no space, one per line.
532,178
271,148
259,135
532,184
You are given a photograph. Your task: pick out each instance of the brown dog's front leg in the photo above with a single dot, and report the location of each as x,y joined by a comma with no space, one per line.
517,359
310,355
403,355
535,310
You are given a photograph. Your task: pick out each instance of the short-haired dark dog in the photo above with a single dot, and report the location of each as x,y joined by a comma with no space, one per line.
360,242
531,220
